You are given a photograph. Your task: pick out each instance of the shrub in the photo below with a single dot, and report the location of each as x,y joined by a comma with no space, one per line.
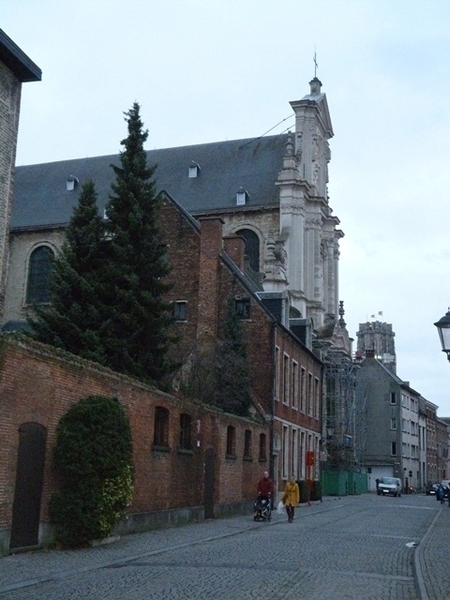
93,456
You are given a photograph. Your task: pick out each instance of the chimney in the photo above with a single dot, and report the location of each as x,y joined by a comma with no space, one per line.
235,248
208,292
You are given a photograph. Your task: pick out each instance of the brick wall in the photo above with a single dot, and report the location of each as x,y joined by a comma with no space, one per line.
39,384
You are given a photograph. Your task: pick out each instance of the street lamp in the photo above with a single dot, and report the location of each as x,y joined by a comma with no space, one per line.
443,326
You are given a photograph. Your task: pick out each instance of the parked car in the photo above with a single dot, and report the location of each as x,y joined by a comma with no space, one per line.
389,485
431,488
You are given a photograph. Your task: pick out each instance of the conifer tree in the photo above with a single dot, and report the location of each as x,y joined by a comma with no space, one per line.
135,332
73,319
232,380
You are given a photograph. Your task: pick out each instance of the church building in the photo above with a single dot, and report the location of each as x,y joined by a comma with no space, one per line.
270,191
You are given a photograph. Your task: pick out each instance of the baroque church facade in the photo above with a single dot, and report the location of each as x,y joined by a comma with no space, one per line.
270,191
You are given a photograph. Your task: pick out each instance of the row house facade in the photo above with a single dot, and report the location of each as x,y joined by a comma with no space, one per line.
390,430
401,432
285,374
437,443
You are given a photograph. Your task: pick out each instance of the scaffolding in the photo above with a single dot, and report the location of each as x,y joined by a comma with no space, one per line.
342,426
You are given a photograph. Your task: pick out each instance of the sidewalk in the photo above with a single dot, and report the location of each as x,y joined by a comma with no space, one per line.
431,559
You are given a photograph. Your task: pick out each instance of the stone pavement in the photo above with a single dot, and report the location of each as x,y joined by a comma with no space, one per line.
432,557
20,573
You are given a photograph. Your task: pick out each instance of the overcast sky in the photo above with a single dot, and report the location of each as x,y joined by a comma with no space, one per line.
212,70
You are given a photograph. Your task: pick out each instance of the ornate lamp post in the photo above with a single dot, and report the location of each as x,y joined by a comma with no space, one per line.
443,327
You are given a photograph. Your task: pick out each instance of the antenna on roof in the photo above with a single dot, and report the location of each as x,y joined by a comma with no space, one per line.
316,64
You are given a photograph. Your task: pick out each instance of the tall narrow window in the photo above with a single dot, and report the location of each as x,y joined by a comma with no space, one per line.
393,448
248,444
277,373
285,379
316,398
185,431
294,452
231,441
310,394
38,275
285,452
294,386
262,446
303,390
161,434
251,248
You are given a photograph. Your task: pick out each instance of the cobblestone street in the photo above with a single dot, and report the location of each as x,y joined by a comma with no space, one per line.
359,547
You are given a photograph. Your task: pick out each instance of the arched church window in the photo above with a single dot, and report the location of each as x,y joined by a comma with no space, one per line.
38,275
251,247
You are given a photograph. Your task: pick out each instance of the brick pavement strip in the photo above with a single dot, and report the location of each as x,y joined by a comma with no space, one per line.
317,556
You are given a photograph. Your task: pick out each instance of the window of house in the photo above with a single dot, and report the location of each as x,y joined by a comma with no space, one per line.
285,379
316,398
161,435
248,444
303,389
251,248
277,373
310,394
393,398
231,441
393,423
294,385
262,446
71,183
241,197
285,452
179,310
294,451
194,170
242,307
39,267
394,448
185,431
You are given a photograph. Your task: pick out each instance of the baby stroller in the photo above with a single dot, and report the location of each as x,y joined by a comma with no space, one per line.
262,508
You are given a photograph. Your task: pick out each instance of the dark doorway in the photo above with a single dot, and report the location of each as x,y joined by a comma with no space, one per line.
28,488
209,484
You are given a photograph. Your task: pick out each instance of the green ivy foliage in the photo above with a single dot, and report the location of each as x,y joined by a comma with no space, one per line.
93,457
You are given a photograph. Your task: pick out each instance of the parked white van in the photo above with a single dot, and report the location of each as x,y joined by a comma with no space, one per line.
389,485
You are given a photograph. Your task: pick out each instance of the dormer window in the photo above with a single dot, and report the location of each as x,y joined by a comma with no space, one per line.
241,197
194,170
71,183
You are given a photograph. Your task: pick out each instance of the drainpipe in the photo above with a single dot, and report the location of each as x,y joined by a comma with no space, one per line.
272,406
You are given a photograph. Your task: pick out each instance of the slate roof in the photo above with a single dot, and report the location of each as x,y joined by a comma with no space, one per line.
41,199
